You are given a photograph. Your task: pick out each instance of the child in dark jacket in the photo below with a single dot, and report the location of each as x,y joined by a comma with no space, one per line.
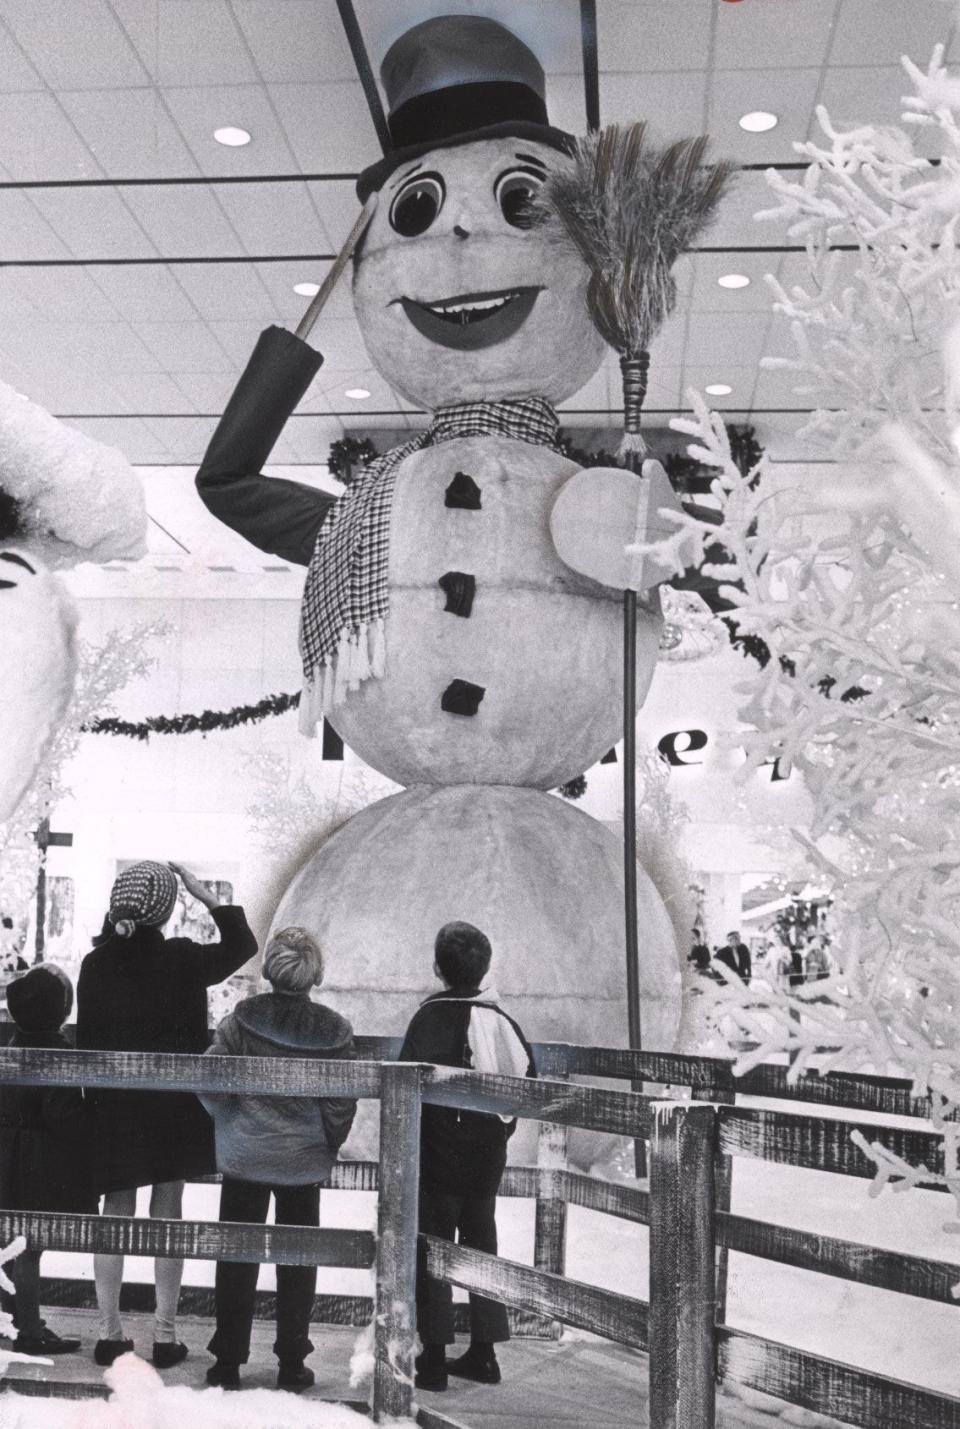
284,1146
462,1153
43,1146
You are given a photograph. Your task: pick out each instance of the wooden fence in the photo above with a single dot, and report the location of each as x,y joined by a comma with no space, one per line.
686,1207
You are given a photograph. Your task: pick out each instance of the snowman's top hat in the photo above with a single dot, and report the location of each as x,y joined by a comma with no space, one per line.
454,79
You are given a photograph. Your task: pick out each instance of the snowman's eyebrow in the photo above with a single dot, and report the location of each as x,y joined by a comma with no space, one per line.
532,159
401,177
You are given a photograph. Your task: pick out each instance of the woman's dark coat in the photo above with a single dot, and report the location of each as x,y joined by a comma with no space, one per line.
149,994
44,1142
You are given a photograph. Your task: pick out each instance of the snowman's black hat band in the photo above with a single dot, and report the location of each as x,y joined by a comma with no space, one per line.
456,109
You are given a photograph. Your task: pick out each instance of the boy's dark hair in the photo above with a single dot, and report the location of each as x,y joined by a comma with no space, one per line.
463,954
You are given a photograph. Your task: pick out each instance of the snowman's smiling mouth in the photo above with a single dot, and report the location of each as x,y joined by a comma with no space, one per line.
472,320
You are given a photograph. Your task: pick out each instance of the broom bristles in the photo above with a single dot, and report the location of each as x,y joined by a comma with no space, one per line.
630,209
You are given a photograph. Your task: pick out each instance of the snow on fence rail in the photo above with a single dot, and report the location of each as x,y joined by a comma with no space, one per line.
686,1208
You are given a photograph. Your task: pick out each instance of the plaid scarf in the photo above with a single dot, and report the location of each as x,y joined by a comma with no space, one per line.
346,596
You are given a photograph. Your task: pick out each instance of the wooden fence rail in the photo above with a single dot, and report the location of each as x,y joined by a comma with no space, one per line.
692,1146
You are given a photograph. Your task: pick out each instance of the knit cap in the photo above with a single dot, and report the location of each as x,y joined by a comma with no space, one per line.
143,893
40,1000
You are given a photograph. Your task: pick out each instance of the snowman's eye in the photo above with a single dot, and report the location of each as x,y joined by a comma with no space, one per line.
417,205
515,191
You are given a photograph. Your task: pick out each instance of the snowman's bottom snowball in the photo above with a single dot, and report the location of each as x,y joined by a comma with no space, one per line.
542,879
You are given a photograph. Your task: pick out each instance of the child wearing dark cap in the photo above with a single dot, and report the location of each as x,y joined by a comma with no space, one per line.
43,1146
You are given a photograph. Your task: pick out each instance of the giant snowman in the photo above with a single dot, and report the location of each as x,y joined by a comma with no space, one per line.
440,632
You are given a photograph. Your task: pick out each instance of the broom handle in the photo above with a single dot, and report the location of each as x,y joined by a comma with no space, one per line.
634,368
318,302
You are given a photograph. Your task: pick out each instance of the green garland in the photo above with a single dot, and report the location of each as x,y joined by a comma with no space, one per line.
203,723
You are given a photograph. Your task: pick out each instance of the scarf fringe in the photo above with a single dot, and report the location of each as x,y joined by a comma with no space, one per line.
360,654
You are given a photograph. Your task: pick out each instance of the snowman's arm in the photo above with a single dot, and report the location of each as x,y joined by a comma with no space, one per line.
273,514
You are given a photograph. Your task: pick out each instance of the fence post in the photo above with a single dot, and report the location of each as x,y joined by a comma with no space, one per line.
394,1313
682,1266
550,1226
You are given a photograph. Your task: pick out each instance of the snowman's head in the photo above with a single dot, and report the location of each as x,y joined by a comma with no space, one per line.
459,295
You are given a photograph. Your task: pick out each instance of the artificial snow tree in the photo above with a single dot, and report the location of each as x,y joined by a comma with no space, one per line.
853,583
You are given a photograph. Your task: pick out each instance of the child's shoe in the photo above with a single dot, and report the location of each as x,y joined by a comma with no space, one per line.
431,1368
478,1363
167,1353
294,1374
106,1351
227,1376
45,1342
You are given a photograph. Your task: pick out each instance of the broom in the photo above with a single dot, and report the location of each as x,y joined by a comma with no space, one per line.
631,209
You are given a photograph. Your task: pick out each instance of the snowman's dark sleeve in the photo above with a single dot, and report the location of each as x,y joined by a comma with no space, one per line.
276,515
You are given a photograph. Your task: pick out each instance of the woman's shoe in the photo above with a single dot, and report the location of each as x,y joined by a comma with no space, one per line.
167,1353
294,1374
106,1351
227,1376
45,1342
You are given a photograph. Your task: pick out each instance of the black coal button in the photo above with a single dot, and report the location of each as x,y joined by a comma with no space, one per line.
463,493
459,589
462,698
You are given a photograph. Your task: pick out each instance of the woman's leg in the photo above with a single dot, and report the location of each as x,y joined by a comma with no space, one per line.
108,1269
25,1274
166,1204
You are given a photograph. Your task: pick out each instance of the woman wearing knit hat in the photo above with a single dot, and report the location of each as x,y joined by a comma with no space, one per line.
140,992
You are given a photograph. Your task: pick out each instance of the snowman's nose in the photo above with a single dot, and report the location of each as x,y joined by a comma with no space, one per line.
460,231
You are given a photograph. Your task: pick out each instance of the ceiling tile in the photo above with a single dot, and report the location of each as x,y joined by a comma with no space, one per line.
93,223
736,224
16,71
788,93
238,339
337,206
131,435
198,112
328,125
304,43
279,279
702,375
61,293
103,347
147,291
37,140
144,392
273,218
187,41
708,297
796,34
20,290
185,438
777,388
184,222
648,35
78,45
24,234
129,132
225,291
868,35
208,392
180,347
724,338
673,104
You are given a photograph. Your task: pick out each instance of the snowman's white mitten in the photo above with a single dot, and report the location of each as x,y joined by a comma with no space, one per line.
38,663
80,500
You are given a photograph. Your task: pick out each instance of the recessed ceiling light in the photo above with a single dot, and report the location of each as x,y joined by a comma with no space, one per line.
231,136
307,290
357,394
733,280
718,389
758,121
